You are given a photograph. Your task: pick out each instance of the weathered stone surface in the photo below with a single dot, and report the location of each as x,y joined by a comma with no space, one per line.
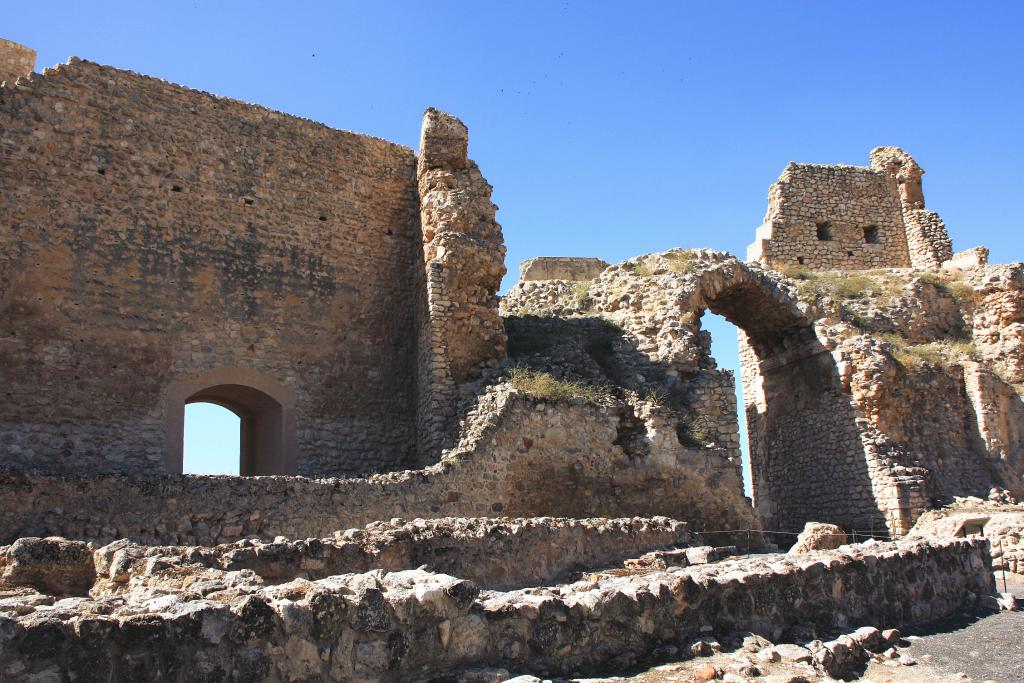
818,536
484,550
392,626
561,268
16,61
1002,524
51,565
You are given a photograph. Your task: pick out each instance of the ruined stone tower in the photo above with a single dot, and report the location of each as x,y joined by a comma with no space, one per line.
836,217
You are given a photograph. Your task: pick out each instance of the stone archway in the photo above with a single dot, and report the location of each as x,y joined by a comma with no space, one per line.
807,456
266,409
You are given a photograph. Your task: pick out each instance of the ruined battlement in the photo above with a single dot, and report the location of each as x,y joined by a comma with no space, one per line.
838,217
16,61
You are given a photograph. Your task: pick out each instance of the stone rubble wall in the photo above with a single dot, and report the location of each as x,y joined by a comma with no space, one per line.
519,457
415,625
464,258
487,551
846,200
834,217
16,61
927,239
1002,525
998,317
151,234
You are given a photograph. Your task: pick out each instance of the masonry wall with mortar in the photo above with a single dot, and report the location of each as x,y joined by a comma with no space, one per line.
824,217
518,457
150,234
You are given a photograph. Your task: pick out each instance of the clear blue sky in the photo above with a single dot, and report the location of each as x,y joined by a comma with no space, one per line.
611,129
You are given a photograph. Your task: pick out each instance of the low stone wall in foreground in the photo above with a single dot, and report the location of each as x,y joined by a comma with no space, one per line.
499,554
415,625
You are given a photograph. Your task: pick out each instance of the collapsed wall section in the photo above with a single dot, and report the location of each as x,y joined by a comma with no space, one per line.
154,237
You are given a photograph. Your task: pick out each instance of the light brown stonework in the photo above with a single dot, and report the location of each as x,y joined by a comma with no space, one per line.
16,61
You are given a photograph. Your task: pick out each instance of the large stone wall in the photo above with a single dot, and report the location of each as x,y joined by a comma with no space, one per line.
831,218
417,625
160,245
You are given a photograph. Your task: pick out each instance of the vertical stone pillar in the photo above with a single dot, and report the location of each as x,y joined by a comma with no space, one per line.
927,237
464,260
15,61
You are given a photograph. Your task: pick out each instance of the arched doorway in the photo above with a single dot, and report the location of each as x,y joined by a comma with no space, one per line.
806,455
266,410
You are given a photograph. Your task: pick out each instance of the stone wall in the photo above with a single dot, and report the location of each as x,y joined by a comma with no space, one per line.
560,268
519,457
851,218
464,254
417,625
160,245
831,218
869,397
1002,525
487,551
927,239
15,61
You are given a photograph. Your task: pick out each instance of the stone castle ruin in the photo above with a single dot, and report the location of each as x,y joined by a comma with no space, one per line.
435,479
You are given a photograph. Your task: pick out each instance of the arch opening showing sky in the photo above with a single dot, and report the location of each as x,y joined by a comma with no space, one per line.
212,440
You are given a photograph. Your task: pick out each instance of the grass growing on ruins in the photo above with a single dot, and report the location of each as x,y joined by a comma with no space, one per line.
682,261
581,295
934,354
692,434
950,283
545,385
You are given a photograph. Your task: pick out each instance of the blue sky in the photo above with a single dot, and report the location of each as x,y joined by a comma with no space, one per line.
614,129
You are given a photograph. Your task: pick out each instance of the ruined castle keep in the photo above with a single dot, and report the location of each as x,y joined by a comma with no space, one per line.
448,466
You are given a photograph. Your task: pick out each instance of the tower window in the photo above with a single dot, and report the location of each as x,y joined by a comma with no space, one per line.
871,234
824,231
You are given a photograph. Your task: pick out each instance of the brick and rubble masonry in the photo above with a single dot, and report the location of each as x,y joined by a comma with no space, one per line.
519,457
150,233
191,624
863,408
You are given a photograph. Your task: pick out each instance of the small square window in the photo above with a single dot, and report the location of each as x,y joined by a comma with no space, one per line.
871,235
824,231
